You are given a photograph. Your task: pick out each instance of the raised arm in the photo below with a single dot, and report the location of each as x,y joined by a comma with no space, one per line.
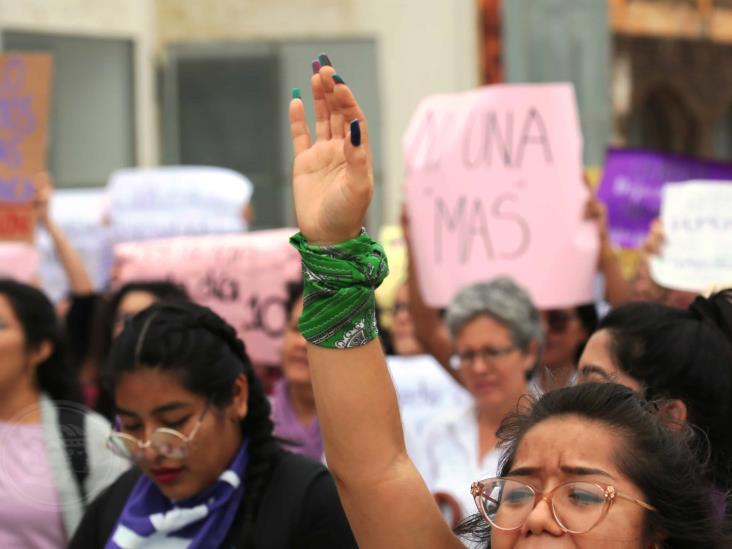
429,329
387,503
79,281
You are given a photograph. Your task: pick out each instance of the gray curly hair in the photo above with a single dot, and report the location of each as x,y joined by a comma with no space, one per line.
503,300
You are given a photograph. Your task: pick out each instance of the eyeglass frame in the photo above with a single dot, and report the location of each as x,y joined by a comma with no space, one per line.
142,446
609,492
486,354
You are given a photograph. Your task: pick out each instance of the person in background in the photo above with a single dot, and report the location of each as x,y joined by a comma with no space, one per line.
565,333
497,337
195,421
111,316
592,467
293,403
80,307
53,459
680,356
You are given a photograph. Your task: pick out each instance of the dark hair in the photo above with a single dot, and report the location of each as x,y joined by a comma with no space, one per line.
39,322
203,351
661,463
105,315
294,294
680,354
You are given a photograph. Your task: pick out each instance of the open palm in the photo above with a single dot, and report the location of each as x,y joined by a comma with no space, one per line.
332,178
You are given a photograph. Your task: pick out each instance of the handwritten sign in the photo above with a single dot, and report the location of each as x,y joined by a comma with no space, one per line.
241,277
697,221
494,187
148,203
25,82
633,181
18,261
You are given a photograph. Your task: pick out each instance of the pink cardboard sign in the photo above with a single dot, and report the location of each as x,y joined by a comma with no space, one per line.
242,277
494,187
19,261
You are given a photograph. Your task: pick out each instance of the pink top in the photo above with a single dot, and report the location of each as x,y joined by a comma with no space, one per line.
30,516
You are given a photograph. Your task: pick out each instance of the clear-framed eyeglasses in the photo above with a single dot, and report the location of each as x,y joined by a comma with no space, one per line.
577,506
486,354
166,442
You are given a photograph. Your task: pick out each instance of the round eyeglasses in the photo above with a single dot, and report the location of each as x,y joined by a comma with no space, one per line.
166,442
577,506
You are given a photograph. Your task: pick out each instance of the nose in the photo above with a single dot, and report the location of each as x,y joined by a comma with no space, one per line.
541,520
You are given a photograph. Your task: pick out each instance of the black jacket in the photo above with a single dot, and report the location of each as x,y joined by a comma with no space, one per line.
300,509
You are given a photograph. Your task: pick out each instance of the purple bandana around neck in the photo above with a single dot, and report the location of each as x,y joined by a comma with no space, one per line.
149,519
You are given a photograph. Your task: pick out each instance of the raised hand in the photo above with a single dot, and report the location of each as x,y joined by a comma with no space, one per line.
333,177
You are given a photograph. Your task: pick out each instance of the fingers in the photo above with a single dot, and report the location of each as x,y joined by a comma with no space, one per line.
298,127
350,110
337,122
322,113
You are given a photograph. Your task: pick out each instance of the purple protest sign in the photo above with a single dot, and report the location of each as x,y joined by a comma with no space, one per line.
631,187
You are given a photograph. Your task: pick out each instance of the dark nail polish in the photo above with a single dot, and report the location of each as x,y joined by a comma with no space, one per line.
324,60
338,79
316,66
296,93
355,133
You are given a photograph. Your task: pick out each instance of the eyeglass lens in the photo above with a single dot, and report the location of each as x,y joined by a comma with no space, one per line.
577,506
164,443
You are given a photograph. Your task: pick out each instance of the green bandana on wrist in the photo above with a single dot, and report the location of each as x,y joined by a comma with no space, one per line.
339,282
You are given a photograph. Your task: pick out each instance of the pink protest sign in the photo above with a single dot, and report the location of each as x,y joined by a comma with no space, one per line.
242,277
19,261
494,187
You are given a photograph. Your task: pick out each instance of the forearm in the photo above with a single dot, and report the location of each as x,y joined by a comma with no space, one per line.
617,289
429,329
78,277
386,500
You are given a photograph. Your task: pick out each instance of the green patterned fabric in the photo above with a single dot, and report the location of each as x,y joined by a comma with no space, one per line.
339,304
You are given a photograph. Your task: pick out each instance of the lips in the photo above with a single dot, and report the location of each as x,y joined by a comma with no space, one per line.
166,475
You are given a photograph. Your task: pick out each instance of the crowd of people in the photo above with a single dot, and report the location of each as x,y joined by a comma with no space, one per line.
135,418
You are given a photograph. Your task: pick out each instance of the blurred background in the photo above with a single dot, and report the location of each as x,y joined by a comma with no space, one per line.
148,82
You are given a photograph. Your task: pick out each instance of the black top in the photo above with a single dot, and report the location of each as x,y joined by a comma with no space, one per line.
300,509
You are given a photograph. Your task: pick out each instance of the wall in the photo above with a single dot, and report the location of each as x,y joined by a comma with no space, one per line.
425,47
128,19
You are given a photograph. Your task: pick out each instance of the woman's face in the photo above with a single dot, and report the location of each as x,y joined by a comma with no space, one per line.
572,449
496,382
402,328
16,361
563,333
148,399
598,365
295,365
131,304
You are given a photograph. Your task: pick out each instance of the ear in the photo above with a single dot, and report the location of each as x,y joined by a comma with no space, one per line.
240,400
674,413
40,353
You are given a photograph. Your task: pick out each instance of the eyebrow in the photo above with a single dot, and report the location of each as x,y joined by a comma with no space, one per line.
566,469
592,369
170,407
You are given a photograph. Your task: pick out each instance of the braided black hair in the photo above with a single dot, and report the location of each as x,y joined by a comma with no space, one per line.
39,322
206,355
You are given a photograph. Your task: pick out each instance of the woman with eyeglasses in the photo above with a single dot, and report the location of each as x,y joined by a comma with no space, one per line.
195,421
650,482
681,356
497,337
52,457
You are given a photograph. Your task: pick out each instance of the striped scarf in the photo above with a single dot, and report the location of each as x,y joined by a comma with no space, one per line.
150,520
